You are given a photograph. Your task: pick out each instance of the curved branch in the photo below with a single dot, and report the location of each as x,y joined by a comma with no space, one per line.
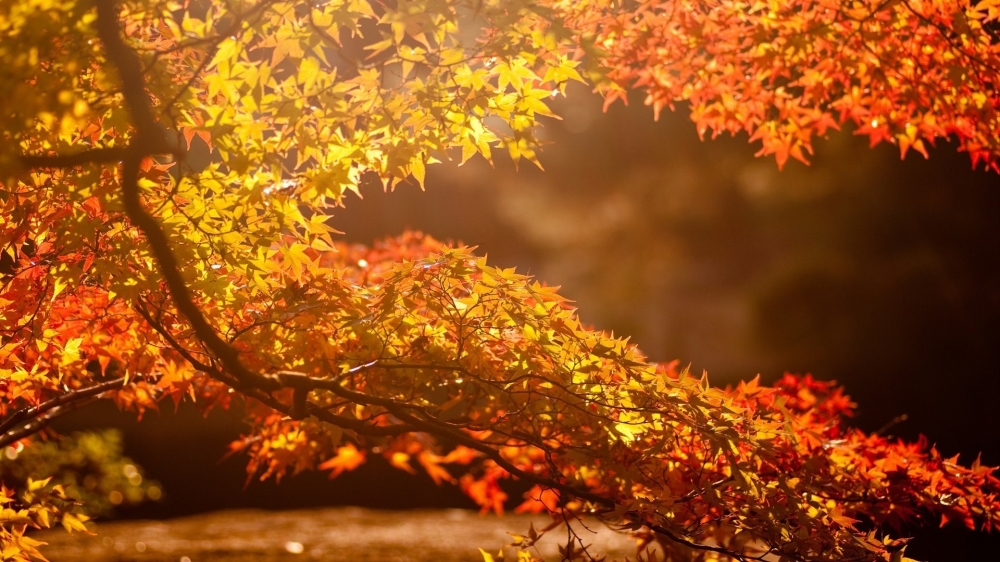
29,418
149,141
305,408
38,424
129,67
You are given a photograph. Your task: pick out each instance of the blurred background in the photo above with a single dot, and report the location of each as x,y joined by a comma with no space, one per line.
879,273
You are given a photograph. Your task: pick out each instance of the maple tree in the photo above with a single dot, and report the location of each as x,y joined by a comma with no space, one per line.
135,271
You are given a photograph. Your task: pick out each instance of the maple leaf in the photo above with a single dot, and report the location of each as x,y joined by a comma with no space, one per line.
348,458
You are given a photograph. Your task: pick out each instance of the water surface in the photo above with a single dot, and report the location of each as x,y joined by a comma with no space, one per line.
333,534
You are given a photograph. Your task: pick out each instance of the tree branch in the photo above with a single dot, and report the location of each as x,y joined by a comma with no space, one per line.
129,67
38,424
305,408
301,382
149,141
27,417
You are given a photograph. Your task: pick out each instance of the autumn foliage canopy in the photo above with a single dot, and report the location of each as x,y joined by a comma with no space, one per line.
167,170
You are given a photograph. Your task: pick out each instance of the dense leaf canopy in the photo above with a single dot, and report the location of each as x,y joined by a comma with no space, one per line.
168,170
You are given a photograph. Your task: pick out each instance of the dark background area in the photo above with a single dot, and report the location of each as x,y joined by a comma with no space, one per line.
879,273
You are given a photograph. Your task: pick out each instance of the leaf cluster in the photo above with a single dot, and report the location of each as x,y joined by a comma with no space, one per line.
164,210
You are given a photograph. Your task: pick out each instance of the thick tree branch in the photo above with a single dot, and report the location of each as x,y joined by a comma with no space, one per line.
170,269
129,67
40,423
148,141
14,427
305,408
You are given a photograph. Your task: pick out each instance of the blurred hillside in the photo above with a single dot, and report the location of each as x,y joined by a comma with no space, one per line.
879,273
